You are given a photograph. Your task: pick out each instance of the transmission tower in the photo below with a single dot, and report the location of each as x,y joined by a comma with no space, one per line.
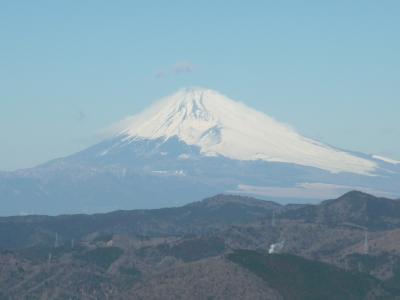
273,220
56,241
366,246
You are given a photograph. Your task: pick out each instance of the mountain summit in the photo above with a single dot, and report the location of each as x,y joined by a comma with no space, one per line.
221,126
188,146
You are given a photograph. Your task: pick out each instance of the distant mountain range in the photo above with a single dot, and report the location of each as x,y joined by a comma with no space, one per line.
188,146
217,213
217,248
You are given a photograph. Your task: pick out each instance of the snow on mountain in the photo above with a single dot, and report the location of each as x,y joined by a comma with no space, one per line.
191,145
221,126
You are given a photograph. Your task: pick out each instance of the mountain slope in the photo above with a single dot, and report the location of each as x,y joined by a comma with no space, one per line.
215,278
223,213
196,218
195,250
220,126
353,208
297,278
191,145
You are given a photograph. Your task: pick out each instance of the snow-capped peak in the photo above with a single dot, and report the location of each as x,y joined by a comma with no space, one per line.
221,126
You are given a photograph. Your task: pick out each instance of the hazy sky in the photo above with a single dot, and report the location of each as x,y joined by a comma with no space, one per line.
68,69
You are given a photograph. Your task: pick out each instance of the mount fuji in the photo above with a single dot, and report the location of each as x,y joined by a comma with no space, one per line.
193,144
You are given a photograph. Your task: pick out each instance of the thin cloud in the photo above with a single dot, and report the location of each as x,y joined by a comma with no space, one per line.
180,68
388,131
161,74
80,116
183,67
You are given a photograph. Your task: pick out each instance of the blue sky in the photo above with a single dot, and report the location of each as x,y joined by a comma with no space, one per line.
68,69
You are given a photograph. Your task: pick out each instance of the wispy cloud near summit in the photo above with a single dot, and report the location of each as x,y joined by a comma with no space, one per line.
179,68
183,67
